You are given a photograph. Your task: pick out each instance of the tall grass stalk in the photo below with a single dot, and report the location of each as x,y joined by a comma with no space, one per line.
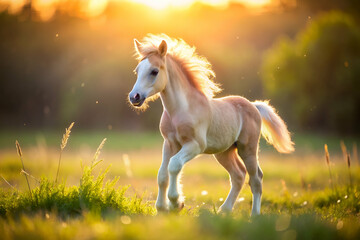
29,175
19,152
63,145
127,164
327,158
97,153
349,169
8,182
343,150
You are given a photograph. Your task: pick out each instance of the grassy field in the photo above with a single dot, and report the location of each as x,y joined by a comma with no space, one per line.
115,198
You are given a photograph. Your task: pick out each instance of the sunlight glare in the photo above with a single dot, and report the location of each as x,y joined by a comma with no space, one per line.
215,3
96,7
162,4
45,8
93,8
255,3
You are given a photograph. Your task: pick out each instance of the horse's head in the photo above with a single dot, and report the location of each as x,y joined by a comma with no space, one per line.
151,74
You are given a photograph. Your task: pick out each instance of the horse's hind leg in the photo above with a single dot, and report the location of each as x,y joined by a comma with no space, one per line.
231,162
248,153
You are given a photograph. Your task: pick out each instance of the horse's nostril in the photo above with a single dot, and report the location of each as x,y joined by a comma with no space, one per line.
137,97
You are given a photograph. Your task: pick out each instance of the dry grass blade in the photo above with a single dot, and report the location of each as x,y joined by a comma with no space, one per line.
97,153
349,170
64,140
66,136
18,149
8,183
19,152
327,158
343,150
29,175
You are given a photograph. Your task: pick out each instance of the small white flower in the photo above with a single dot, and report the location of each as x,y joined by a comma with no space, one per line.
241,199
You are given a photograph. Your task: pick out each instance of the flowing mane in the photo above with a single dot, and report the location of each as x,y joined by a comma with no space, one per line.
197,68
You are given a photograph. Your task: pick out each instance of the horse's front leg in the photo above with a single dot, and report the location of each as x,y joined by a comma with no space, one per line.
188,151
163,176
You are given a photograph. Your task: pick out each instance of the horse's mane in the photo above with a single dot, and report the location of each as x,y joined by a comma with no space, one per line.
196,68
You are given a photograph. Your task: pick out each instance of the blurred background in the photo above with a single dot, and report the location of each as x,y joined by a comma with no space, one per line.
72,60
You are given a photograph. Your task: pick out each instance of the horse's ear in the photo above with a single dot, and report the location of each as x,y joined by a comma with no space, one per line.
138,46
163,48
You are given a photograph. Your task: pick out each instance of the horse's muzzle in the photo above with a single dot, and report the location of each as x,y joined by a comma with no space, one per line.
136,99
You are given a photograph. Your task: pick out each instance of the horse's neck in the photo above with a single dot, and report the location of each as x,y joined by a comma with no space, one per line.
175,96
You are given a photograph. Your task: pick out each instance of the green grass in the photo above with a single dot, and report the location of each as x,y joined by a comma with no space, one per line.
131,140
91,195
79,138
92,202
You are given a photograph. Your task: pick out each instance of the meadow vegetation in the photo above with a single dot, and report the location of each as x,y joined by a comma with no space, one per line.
299,202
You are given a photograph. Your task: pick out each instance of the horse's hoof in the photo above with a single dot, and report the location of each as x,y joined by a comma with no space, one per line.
162,209
177,207
224,211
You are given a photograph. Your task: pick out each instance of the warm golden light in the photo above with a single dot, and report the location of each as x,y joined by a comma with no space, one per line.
163,4
14,5
93,8
255,3
96,7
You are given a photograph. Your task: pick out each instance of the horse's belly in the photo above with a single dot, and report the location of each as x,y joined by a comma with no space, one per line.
220,139
224,128
213,148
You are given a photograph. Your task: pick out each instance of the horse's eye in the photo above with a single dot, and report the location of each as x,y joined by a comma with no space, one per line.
154,72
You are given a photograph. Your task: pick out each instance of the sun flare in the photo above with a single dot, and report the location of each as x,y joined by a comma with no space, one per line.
163,4
94,8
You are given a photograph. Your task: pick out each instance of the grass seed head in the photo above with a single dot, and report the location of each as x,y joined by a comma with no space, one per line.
343,149
66,136
97,153
18,148
327,156
348,160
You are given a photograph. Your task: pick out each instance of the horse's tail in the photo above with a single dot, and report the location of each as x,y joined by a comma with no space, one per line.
273,128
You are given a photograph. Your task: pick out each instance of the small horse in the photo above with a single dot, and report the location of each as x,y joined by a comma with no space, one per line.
193,122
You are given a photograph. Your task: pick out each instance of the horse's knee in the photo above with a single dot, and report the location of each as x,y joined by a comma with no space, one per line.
174,166
238,178
163,179
252,167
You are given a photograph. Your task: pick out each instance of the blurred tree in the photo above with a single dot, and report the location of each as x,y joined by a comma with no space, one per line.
351,6
315,79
